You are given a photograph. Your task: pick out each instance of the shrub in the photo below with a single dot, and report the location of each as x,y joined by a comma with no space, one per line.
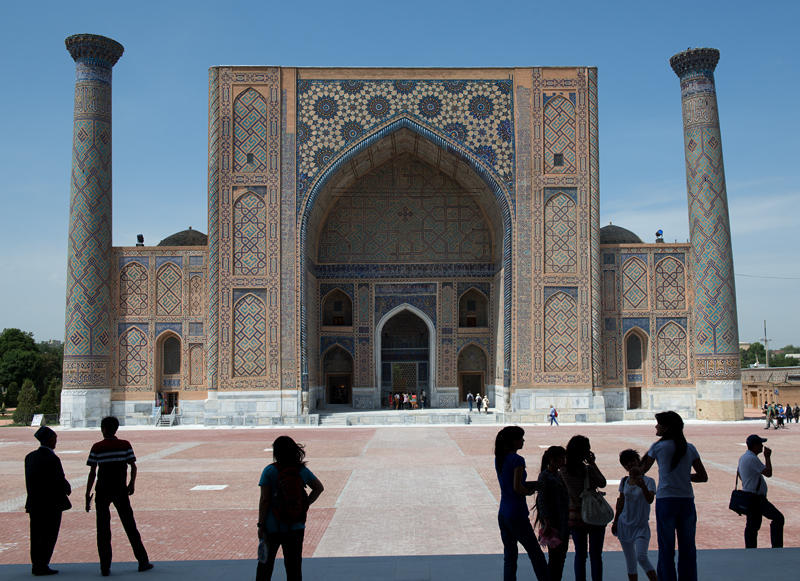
12,395
26,405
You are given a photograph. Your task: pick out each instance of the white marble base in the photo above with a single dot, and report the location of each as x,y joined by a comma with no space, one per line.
84,408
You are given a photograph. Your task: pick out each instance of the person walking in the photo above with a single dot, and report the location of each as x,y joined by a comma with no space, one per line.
283,507
108,464
478,400
513,514
770,412
470,399
48,491
796,413
752,472
675,510
486,405
632,518
552,504
587,539
553,415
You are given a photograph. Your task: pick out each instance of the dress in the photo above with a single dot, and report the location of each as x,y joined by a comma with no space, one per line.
514,522
633,525
288,536
111,457
675,512
48,490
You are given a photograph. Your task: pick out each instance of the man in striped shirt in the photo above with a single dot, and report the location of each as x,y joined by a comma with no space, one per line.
111,457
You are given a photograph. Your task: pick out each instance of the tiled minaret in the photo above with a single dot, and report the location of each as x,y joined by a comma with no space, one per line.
716,336
86,394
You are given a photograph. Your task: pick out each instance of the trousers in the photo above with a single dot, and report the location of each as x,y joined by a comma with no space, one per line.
556,557
519,530
588,542
292,543
44,534
758,508
122,503
636,552
676,517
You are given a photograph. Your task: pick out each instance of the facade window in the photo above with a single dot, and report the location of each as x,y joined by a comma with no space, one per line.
251,158
558,159
172,356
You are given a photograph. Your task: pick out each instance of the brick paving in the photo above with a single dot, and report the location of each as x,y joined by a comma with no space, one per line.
390,492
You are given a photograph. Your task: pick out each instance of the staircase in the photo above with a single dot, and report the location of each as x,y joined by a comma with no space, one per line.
332,419
480,419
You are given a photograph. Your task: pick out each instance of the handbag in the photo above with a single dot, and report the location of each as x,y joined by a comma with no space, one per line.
595,509
740,500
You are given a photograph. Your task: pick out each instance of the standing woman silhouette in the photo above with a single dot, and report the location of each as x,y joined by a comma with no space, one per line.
675,510
513,516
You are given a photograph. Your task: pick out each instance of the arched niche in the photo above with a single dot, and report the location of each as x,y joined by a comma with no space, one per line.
428,383
337,309
169,367
636,354
473,365
337,369
473,309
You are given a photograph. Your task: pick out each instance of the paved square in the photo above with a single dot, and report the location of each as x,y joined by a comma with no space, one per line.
389,492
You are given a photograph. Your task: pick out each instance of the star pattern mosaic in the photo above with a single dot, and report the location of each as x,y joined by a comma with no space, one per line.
334,114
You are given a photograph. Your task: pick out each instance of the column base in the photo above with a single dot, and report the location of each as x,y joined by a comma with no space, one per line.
84,408
720,400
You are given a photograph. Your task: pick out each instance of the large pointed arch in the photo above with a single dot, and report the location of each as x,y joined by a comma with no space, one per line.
431,342
461,155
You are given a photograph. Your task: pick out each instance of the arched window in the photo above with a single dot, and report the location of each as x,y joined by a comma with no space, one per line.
473,309
633,351
337,309
172,356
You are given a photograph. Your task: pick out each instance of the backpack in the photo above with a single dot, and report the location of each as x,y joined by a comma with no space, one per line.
289,499
556,414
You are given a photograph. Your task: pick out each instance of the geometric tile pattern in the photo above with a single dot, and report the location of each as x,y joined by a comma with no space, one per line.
214,123
560,234
196,295
169,290
334,114
250,132
196,371
133,290
670,285
249,337
561,333
559,134
610,354
249,235
405,211
472,358
634,284
672,348
609,290
133,354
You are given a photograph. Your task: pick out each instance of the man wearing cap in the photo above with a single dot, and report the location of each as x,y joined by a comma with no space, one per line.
111,457
752,472
48,490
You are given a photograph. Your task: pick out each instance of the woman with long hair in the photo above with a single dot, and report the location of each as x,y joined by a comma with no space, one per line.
675,510
277,482
588,539
513,515
552,504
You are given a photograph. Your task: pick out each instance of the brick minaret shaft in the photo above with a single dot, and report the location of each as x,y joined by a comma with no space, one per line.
88,337
716,335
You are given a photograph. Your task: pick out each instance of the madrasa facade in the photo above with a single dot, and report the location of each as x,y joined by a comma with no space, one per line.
396,230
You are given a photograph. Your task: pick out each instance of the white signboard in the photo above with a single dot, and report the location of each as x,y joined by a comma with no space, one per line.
37,420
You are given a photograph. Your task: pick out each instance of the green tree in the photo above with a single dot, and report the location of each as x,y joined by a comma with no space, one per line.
18,365
791,349
748,356
26,406
15,339
51,366
12,394
781,360
51,402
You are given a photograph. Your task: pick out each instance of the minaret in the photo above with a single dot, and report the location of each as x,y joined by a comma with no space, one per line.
86,394
716,335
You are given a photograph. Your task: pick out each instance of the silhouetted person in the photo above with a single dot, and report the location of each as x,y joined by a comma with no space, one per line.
48,490
111,458
752,472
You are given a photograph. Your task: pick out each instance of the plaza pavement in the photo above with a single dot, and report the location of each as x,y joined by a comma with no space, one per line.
402,502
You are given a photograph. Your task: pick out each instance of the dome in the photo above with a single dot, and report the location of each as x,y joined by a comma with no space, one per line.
186,238
616,235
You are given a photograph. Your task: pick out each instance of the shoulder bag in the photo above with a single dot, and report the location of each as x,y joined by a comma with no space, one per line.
595,509
740,500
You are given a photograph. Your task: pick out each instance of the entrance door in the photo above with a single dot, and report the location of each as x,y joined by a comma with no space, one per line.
170,402
339,389
471,383
634,370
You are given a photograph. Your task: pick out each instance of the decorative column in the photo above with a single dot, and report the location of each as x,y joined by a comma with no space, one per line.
716,335
86,394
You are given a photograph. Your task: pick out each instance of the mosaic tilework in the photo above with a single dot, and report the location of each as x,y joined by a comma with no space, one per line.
213,226
169,290
634,284
448,305
594,224
249,235
405,211
559,134
133,357
197,295
326,341
472,358
334,114
670,286
609,290
560,234
325,288
196,370
289,314
521,367
610,357
133,290
195,329
672,350
629,323
561,333
250,132
716,337
426,304
250,330
365,376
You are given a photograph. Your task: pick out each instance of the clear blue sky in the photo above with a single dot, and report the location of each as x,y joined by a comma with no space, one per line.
161,96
